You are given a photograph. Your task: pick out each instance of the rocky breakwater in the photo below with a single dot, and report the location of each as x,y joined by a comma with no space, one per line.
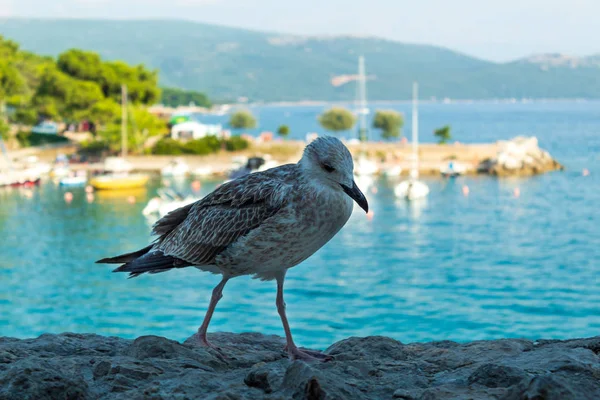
87,366
520,156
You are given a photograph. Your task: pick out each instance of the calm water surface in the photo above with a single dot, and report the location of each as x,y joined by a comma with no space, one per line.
461,268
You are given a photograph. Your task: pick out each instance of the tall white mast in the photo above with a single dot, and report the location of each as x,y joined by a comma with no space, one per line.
415,131
362,100
123,121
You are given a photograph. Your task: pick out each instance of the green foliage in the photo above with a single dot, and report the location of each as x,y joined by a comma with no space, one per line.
283,131
172,97
94,147
26,138
4,129
443,134
203,146
25,116
236,143
168,146
242,119
206,145
390,122
337,119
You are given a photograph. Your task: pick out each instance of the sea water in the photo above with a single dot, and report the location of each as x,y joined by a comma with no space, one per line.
483,266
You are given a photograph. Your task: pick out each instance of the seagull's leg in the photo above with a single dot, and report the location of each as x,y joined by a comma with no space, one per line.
217,294
293,351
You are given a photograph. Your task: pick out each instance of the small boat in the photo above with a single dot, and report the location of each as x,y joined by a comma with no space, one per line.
253,164
365,167
17,178
413,189
393,171
203,171
453,169
119,182
75,180
166,201
117,174
176,168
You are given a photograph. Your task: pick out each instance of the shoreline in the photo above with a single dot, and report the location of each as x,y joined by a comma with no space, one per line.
385,156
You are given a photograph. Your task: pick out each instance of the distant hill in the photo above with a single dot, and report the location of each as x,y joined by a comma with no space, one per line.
228,63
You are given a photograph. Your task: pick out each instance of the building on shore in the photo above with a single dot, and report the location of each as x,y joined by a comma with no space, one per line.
194,130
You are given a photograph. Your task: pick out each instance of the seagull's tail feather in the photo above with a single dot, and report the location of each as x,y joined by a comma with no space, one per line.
124,258
143,261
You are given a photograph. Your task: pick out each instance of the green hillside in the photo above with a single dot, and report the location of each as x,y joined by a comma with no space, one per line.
227,63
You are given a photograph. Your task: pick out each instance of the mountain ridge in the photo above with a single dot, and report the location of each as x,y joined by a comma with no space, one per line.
229,63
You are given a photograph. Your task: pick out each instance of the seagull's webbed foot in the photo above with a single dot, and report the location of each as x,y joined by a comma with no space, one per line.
307,355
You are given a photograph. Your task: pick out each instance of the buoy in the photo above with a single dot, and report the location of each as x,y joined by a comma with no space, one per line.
89,197
68,197
517,192
131,199
374,190
585,172
89,189
196,185
465,190
370,215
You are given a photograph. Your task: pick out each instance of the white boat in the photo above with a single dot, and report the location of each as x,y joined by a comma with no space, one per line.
203,171
176,168
453,169
413,189
365,167
79,179
166,201
393,171
11,176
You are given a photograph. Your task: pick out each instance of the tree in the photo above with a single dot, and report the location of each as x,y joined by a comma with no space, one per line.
242,119
283,131
390,122
337,119
443,134
172,97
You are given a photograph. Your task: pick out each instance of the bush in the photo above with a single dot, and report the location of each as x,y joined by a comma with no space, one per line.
168,147
204,146
236,143
94,147
242,119
200,147
27,139
337,119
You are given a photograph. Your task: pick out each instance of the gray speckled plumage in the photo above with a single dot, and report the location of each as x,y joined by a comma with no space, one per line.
258,224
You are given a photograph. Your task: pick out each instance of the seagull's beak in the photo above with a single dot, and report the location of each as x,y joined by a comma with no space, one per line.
355,193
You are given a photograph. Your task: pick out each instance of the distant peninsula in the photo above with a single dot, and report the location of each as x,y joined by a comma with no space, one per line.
230,63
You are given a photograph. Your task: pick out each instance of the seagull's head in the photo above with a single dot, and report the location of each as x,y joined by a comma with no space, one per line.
328,160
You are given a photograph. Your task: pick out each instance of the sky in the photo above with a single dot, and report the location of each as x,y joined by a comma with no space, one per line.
489,29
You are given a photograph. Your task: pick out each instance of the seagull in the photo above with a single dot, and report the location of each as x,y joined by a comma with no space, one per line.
260,224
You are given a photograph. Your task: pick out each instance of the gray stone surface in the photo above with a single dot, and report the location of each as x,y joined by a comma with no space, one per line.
254,366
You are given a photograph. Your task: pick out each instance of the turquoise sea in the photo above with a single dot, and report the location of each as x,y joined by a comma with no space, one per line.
485,266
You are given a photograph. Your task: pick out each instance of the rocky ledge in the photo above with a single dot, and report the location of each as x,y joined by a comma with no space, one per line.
86,366
520,156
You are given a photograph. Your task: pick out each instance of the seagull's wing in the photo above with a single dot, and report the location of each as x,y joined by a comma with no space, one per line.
199,232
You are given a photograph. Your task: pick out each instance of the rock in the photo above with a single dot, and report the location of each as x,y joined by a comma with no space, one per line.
253,366
520,156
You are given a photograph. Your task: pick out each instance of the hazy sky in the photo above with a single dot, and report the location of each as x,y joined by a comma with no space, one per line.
491,29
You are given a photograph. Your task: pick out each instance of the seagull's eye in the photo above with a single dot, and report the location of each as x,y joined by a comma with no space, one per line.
328,168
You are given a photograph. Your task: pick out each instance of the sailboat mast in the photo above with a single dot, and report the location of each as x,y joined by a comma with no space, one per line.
415,130
123,121
362,100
